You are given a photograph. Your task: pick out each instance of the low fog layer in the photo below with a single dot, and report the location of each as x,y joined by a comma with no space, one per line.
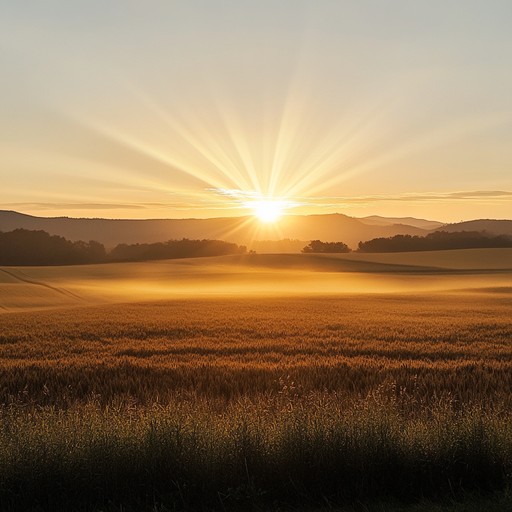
255,275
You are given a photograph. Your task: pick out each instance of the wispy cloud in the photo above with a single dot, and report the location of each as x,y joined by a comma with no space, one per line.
483,193
333,201
426,197
254,200
224,200
235,193
177,206
73,206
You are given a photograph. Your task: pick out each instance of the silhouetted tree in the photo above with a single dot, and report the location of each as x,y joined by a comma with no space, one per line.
25,247
184,248
316,246
436,241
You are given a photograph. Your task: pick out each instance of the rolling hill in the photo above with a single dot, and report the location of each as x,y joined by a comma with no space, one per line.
255,275
377,220
241,230
293,229
494,227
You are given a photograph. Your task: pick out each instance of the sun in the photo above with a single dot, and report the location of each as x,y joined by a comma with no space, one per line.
268,211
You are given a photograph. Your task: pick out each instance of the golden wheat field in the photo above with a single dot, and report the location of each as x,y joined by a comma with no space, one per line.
262,381
426,344
233,326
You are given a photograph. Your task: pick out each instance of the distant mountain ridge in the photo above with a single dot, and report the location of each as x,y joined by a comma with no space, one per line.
240,230
408,221
495,227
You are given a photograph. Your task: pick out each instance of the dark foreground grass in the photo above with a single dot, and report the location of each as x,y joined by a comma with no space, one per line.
278,453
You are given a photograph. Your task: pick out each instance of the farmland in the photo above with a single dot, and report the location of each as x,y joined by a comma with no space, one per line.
271,381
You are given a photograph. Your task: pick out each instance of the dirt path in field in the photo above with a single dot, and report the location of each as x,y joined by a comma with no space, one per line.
23,278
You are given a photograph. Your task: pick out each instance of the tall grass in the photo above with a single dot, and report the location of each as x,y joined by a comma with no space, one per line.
270,451
226,404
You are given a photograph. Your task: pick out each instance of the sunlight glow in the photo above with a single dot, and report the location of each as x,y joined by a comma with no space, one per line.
268,211
240,164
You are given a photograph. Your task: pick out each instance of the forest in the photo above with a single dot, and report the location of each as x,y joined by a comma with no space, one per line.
436,241
26,247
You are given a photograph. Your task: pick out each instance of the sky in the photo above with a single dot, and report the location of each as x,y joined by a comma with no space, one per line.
172,109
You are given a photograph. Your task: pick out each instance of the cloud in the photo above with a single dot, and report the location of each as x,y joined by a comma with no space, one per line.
234,199
234,193
425,197
246,199
243,197
74,206
483,193
182,205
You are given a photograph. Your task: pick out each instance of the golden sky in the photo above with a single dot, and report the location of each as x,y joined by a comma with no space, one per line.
199,109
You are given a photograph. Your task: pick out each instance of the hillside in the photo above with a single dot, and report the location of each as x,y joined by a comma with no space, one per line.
255,275
241,230
112,232
377,220
495,227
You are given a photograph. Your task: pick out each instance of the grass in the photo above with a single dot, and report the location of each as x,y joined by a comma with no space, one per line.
354,402
266,452
428,345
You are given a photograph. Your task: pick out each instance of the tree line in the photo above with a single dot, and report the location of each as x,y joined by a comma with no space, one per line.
184,248
436,241
26,247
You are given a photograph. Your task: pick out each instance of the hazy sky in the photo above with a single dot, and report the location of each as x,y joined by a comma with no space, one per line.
194,108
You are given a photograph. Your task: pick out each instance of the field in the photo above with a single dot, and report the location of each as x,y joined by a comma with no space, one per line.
265,275
268,382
